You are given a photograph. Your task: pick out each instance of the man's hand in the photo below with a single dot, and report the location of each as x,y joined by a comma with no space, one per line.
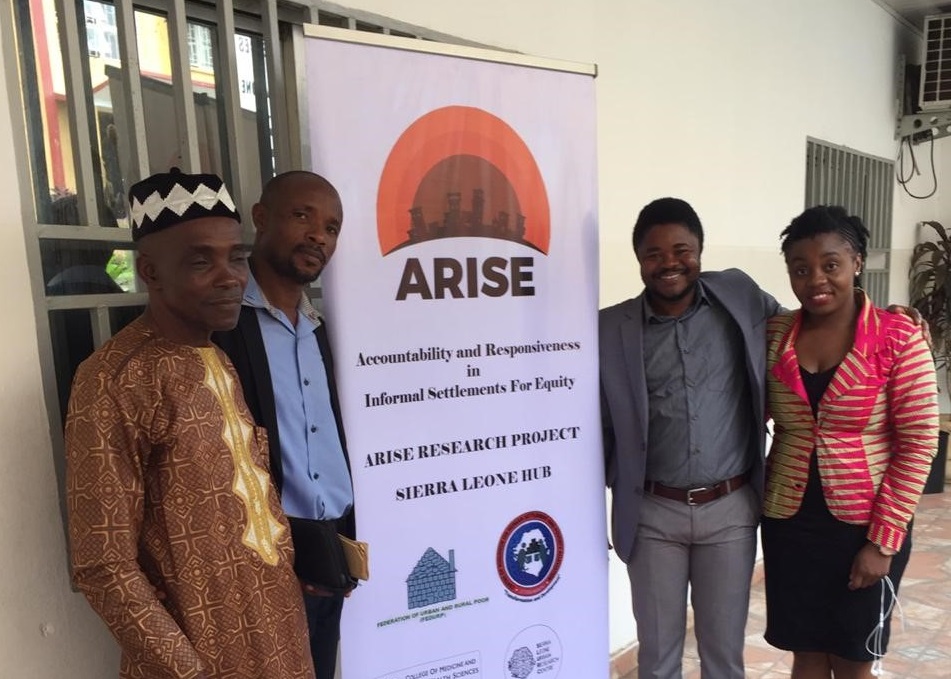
916,318
868,567
314,590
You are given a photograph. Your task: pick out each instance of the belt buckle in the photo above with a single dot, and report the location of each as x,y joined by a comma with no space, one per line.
690,501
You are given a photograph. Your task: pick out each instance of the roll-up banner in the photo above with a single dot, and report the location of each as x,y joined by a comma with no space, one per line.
462,306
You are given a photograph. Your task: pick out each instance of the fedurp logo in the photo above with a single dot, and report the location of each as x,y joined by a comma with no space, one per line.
460,172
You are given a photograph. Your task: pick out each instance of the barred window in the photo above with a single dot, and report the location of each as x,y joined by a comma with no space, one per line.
115,90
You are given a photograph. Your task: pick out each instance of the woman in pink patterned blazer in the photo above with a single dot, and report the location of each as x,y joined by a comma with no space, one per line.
852,391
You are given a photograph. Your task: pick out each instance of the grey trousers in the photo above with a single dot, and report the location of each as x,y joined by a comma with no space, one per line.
711,548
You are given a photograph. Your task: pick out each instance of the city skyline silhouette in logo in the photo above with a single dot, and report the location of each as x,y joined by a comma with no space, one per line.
460,171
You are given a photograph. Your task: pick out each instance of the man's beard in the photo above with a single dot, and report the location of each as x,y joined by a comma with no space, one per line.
674,297
286,268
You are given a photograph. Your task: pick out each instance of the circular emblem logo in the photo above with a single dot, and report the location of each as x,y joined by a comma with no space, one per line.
529,554
535,651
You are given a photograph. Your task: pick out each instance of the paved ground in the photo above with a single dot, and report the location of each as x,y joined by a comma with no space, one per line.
919,649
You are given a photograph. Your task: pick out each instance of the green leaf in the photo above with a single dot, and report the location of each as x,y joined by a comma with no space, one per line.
929,286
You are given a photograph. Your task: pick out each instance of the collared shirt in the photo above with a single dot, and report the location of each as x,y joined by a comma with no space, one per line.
701,415
316,479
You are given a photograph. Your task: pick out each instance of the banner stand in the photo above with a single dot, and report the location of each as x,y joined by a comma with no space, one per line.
462,306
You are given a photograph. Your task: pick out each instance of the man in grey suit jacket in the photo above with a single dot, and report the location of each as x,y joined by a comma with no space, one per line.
683,401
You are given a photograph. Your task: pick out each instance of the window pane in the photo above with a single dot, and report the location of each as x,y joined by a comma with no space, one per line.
255,129
207,110
50,135
83,267
369,28
106,79
44,92
329,19
161,121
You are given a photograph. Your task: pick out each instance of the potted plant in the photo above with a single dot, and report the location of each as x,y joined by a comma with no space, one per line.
930,293
930,289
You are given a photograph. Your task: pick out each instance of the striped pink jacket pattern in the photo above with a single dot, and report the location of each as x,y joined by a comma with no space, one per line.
876,431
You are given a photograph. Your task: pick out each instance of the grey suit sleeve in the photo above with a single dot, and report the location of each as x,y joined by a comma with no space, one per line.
770,304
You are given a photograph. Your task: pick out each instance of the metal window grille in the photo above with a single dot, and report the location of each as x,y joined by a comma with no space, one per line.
113,121
862,184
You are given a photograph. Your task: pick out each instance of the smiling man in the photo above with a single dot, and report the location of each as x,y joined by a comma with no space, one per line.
682,388
177,537
282,354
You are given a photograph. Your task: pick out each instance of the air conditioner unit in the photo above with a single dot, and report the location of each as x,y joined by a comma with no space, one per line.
935,89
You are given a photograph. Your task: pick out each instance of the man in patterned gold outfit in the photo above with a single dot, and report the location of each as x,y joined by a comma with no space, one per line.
177,535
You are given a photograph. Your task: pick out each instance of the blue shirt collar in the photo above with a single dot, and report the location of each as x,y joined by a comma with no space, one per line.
254,298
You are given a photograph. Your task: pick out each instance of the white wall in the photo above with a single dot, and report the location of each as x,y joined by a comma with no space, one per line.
710,101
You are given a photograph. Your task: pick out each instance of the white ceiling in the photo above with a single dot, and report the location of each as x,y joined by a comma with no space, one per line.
914,11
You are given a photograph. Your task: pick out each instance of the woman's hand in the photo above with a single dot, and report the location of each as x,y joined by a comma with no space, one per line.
868,567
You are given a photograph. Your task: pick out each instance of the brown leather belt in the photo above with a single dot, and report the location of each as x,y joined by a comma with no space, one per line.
697,496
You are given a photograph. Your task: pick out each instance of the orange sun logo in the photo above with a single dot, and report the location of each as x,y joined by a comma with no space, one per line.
460,171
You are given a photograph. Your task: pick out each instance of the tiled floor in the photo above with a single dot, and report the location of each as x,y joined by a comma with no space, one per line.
921,649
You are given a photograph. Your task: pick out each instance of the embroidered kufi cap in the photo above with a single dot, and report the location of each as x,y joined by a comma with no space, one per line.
173,197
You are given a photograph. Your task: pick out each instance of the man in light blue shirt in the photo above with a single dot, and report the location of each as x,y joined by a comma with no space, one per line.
316,483
281,353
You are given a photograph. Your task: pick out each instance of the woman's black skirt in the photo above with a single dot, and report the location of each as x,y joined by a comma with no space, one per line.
807,559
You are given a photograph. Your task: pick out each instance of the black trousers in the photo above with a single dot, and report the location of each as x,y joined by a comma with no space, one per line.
323,624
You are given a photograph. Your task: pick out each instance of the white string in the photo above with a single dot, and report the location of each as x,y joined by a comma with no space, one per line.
874,642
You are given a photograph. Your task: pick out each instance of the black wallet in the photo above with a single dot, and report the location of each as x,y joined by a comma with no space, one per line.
319,558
